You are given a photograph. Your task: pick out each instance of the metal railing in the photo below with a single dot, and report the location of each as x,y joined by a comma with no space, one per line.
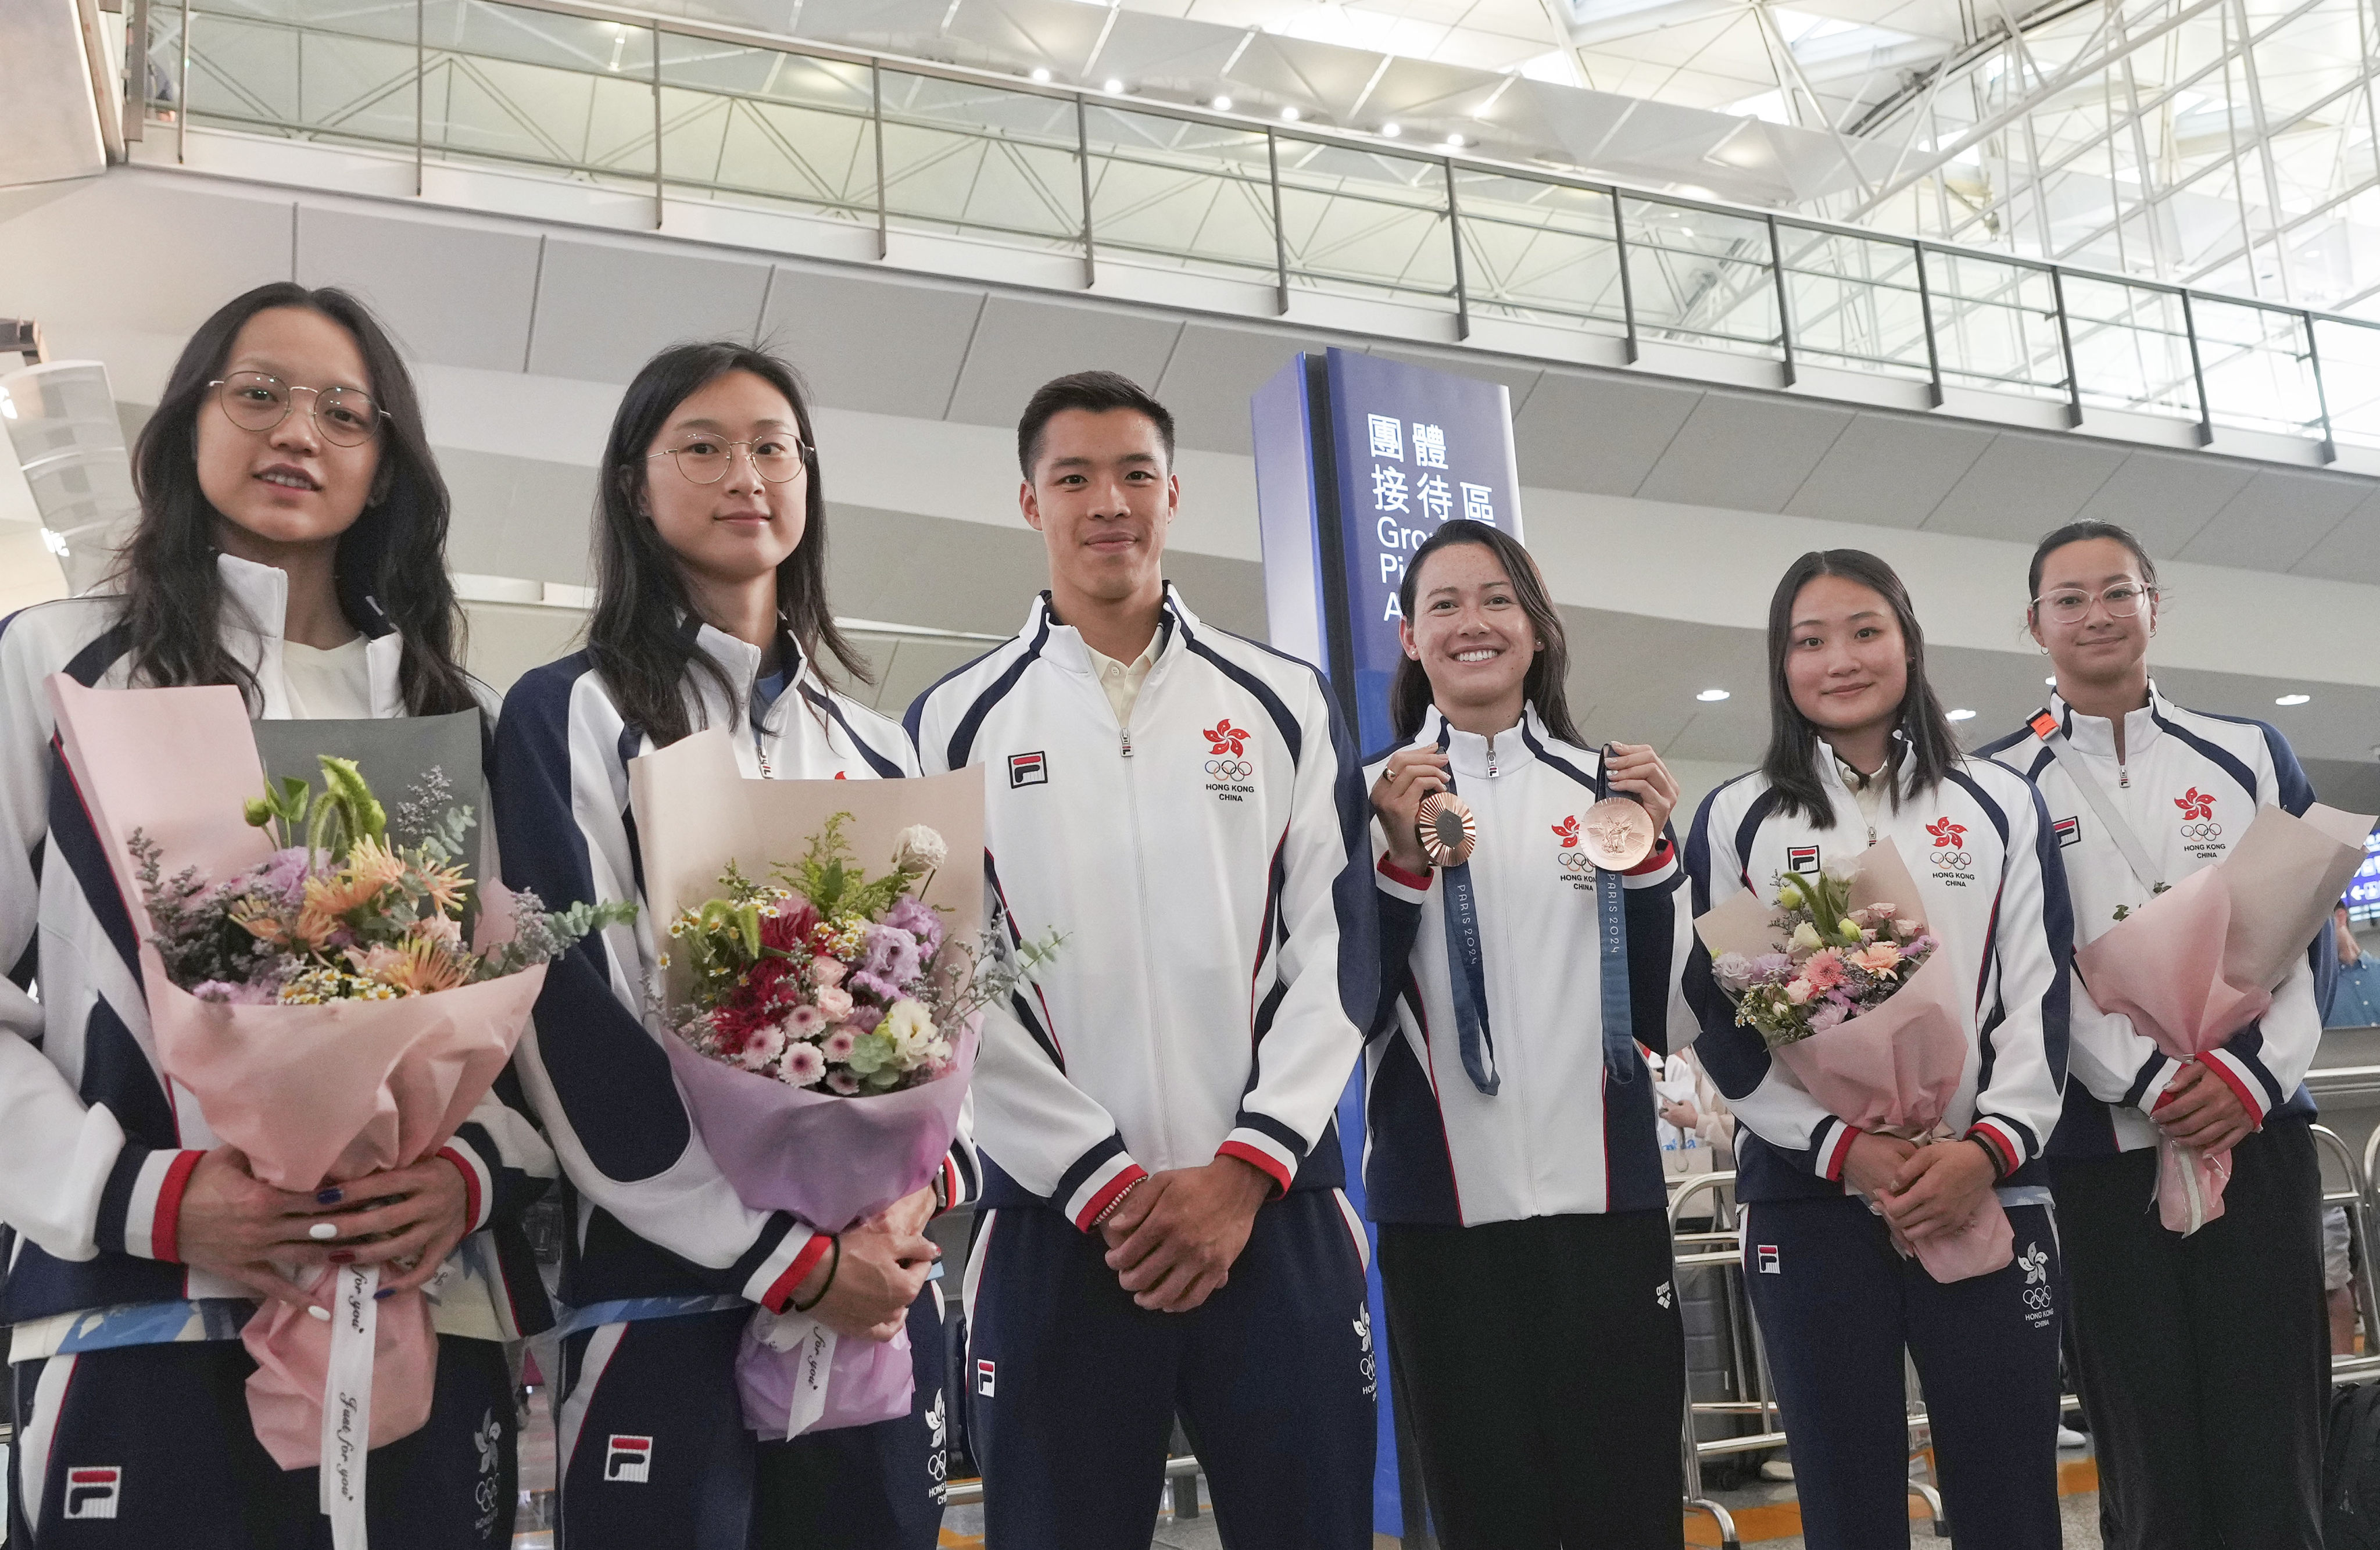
683,112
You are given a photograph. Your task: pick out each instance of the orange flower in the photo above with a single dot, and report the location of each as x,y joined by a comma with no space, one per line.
370,868
445,885
416,966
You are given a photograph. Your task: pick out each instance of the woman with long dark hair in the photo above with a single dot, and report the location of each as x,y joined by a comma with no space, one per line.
711,611
1512,1166
1860,752
290,544
2208,1424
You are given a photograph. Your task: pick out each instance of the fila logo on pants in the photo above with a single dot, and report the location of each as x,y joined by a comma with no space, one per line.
1766,1253
628,1460
984,1373
93,1493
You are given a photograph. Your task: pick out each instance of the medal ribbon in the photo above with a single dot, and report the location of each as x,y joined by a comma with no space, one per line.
1467,976
1611,943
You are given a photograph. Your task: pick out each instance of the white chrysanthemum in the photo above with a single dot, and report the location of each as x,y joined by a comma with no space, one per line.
919,849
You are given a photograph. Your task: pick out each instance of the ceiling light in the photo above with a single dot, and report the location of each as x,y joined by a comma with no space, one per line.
2291,699
1455,141
1111,86
2051,682
1390,130
1040,74
1222,104
1962,715
1289,116
1711,697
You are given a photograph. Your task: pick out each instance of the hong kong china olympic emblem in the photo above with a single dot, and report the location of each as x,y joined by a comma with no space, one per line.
1571,858
1950,842
1229,769
2198,816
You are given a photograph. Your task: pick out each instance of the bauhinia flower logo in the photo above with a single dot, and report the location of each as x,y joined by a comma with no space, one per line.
1947,834
1226,738
1567,831
2195,805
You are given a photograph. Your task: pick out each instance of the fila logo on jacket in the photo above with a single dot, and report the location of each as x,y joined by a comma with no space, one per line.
1559,1136
2188,787
1208,865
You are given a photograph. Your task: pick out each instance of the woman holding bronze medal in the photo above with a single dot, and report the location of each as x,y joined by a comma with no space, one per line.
1531,916
290,544
1834,1219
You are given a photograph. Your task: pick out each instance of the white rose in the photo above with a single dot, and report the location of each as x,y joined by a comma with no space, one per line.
909,1028
919,849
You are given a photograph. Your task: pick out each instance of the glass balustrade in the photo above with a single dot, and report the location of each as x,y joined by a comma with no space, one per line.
681,113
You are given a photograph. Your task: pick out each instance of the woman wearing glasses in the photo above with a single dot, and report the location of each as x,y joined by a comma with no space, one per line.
2203,1359
1861,752
711,611
290,544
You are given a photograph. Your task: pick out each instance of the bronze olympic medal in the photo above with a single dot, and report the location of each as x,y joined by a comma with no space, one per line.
1446,830
1620,833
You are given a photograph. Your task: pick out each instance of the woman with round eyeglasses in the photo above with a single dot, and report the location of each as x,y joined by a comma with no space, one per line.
290,544
711,611
2204,1360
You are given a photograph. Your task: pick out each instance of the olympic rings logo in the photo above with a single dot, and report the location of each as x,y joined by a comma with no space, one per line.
2037,1299
1953,859
1230,769
2202,830
1575,861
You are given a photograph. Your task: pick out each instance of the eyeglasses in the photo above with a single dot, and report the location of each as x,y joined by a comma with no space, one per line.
776,459
255,402
2071,605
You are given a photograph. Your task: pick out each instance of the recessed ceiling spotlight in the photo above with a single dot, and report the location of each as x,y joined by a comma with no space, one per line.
1711,697
1041,74
2291,699
1222,104
1111,86
1390,130
1455,141
1962,715
1289,116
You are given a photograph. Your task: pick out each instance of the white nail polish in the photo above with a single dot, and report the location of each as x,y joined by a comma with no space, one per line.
314,1312
322,1233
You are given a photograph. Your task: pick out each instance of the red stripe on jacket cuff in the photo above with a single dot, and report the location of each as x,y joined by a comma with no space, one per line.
1259,1159
166,1224
781,1291
1999,1143
1654,863
2238,1083
1396,874
1092,1208
1838,1151
470,1183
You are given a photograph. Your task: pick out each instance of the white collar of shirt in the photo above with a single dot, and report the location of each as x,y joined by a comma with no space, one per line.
1468,753
2095,736
260,595
1122,681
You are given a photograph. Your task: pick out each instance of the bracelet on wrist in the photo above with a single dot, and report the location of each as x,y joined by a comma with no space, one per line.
833,1264
1991,1155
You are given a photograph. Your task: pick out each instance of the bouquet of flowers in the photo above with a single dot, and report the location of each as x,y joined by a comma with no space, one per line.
822,1023
2198,961
830,980
1838,962
321,1005
1862,1006
351,906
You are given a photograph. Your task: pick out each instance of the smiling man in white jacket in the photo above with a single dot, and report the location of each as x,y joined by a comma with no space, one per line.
1165,1231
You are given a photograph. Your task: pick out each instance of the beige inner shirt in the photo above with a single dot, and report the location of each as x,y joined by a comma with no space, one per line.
334,686
1122,681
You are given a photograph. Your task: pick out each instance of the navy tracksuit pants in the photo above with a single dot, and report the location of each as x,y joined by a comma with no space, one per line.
1837,1305
139,1447
1073,1389
655,1454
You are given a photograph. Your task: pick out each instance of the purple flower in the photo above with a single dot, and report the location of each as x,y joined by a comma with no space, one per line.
225,992
892,954
1772,968
285,874
919,921
1830,1014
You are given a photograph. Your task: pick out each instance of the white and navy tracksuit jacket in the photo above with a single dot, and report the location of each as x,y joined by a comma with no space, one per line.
1209,868
94,1149
2189,786
655,1217
1559,1137
1985,864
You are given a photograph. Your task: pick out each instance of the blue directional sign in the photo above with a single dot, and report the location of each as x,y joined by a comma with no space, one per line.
1359,459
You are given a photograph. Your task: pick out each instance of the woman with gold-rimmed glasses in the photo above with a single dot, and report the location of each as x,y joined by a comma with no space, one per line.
711,611
290,545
